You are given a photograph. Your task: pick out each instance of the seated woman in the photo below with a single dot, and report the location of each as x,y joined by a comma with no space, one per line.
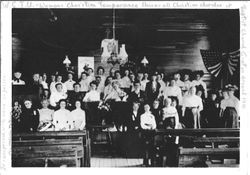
93,95
116,94
46,116
137,94
57,95
29,117
78,117
16,114
61,119
75,95
147,119
170,116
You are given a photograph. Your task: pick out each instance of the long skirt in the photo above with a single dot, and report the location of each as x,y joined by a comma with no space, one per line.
169,123
230,118
192,118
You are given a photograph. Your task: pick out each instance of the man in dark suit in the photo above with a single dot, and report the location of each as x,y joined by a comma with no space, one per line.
152,89
133,118
137,94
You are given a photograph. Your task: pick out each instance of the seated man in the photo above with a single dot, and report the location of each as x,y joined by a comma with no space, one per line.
61,119
93,94
57,95
133,118
137,94
46,116
147,119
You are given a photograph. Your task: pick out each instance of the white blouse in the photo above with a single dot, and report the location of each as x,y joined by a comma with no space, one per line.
92,96
61,119
78,119
148,121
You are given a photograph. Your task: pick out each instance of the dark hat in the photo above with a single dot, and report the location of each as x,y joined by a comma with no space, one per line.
213,91
185,72
199,72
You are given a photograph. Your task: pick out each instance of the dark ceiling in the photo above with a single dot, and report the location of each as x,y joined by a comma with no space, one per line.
79,31
144,31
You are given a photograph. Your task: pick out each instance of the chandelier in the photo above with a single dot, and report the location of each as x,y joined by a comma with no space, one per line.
111,53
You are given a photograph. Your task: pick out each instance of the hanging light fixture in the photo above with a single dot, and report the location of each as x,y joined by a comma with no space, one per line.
144,61
66,61
110,49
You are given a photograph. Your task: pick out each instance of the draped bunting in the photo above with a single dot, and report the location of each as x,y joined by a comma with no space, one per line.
216,61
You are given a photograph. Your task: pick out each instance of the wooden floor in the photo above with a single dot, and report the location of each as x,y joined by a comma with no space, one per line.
115,162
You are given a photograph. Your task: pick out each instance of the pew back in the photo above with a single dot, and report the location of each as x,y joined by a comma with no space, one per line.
194,144
66,148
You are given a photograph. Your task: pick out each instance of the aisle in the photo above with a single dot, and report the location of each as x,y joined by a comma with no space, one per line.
115,162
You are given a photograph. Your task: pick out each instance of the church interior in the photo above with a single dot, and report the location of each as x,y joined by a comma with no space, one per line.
125,87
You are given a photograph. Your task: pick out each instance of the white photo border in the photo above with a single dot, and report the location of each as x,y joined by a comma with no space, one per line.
6,74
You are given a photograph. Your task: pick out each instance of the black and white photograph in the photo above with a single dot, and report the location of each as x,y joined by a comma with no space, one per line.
125,87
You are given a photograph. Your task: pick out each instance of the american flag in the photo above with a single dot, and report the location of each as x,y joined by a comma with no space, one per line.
216,61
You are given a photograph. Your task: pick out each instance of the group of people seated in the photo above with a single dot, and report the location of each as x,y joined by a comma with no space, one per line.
156,100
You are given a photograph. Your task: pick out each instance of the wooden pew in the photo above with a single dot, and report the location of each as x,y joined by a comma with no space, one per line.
214,142
195,138
51,148
187,155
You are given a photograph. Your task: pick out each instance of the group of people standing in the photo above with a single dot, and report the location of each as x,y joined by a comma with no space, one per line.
157,101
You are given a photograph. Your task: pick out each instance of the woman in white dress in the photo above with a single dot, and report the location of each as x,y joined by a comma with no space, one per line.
78,117
61,119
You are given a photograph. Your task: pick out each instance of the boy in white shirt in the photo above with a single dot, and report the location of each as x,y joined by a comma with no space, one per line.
147,119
